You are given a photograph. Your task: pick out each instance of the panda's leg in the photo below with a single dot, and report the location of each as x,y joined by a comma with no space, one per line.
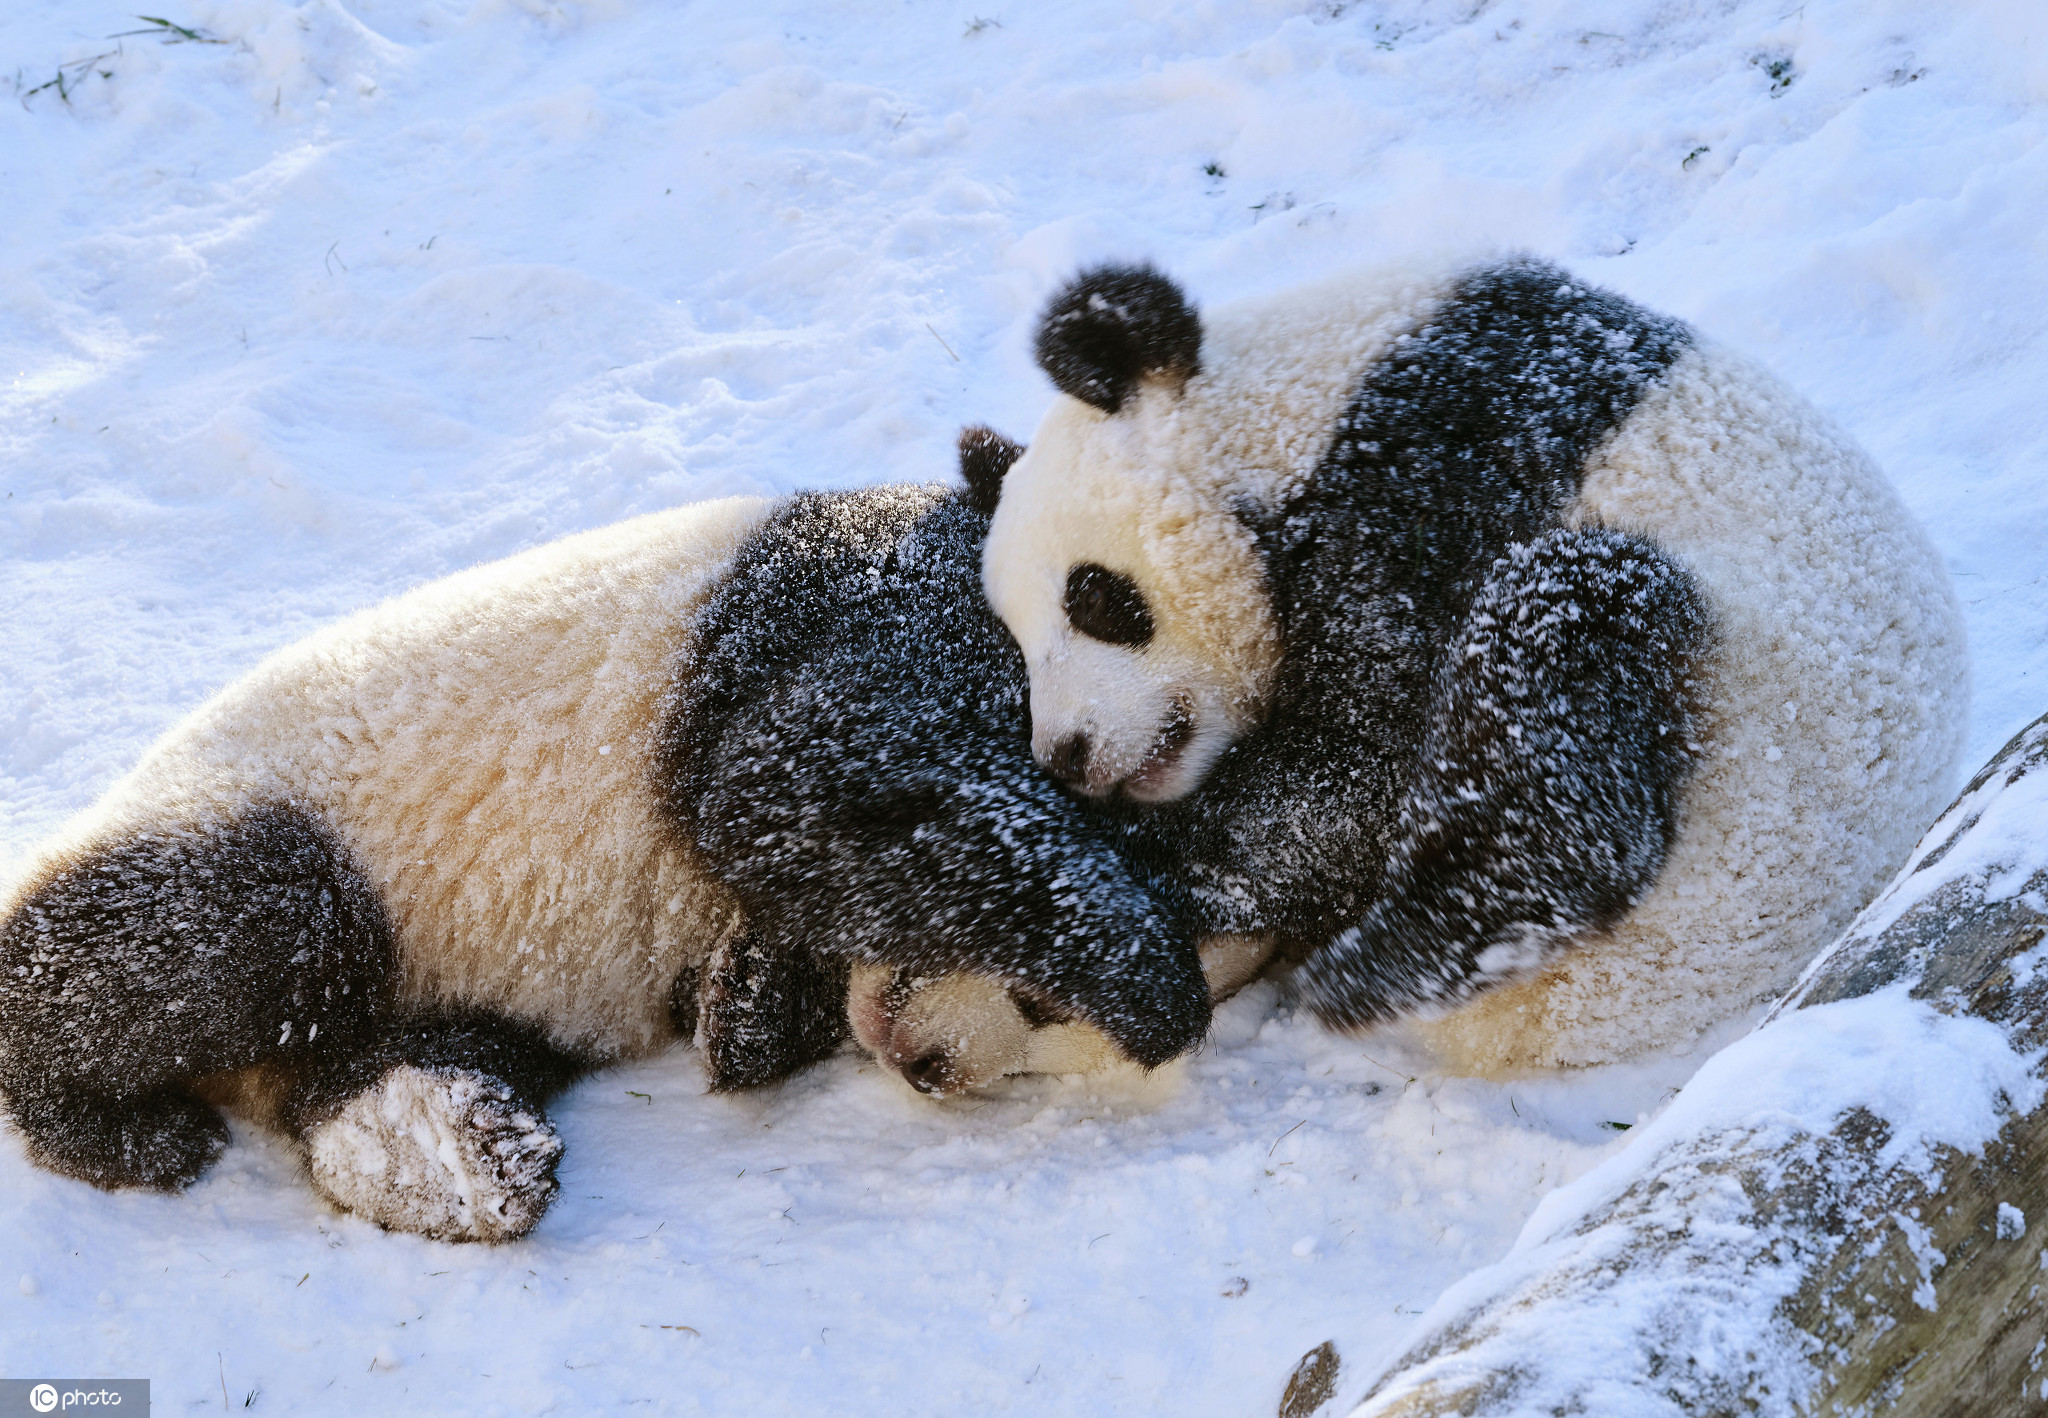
1545,796
437,1125
141,966
768,1007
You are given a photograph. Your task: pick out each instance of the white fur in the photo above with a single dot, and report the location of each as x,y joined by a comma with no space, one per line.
481,747
439,1153
1840,684
1830,606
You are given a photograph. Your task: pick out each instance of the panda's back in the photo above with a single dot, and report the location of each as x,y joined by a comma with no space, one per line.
479,749
1832,614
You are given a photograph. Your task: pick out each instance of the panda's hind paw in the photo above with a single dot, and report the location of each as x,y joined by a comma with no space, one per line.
448,1153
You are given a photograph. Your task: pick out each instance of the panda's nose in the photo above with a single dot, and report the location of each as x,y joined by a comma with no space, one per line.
1069,760
929,1073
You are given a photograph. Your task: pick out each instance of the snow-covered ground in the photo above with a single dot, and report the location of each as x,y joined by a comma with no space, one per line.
381,288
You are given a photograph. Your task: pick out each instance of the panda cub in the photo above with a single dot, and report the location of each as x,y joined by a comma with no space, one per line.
402,882
1524,660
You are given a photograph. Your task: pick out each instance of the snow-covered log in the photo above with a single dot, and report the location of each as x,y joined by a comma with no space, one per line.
1842,1214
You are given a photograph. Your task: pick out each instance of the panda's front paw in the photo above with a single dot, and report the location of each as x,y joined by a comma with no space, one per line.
447,1153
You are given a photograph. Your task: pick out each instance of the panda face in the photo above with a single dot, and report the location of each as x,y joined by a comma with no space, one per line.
958,1033
1118,555
1111,575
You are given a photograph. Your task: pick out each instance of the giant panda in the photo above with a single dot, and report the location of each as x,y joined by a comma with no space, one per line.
1535,667
400,883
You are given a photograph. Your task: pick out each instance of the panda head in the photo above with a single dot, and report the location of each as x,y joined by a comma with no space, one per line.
958,1032
1116,556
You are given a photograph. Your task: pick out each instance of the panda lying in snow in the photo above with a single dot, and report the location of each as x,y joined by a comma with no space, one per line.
400,883
1494,615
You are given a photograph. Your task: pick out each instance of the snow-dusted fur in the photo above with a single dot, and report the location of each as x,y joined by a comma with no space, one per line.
480,747
454,1156
1837,694
1324,502
848,755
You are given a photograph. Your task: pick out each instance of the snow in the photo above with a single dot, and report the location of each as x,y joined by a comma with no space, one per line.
1990,837
1066,1247
378,290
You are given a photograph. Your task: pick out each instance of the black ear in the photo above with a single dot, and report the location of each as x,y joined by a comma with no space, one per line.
985,456
768,1008
1114,326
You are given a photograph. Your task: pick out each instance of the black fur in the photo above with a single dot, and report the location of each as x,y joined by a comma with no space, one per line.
1113,326
770,1010
1107,606
848,753
985,456
162,1138
683,994
1465,443
1545,796
132,972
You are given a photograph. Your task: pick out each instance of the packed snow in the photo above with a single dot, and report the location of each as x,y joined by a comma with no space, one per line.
372,291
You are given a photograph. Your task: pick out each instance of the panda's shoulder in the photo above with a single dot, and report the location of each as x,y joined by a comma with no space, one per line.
824,562
834,589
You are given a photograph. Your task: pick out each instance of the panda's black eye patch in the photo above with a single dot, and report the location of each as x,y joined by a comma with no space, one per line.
1107,605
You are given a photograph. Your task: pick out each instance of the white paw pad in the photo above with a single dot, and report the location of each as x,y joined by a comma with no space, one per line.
442,1153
